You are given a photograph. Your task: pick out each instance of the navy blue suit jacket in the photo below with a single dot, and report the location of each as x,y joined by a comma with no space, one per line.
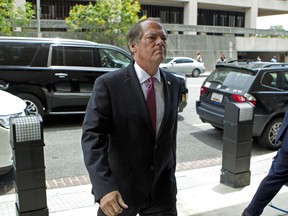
119,146
282,135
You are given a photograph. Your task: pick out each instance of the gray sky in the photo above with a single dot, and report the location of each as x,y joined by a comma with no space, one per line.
266,22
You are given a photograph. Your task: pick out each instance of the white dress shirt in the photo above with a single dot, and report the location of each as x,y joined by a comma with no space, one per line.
159,93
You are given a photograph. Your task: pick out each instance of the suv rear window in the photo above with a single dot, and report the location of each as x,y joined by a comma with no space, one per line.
231,80
17,55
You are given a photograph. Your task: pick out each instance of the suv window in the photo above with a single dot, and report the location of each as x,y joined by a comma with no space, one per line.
72,56
113,59
270,79
285,81
17,55
232,80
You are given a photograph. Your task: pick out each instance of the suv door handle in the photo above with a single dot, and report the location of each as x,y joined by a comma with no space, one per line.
61,75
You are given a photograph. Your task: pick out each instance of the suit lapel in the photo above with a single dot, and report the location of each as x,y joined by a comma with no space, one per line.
134,86
167,99
137,95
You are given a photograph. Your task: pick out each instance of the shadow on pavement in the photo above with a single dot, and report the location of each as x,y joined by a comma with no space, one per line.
62,121
6,182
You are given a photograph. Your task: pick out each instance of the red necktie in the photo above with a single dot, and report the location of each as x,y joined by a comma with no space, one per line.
151,102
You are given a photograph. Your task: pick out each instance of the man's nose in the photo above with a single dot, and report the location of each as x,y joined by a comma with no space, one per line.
160,41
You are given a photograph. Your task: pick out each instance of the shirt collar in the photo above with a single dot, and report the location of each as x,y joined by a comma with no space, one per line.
143,75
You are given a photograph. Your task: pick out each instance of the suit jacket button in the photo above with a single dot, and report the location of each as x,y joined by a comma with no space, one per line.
156,146
151,168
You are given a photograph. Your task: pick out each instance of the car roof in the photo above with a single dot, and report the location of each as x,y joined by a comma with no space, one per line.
45,40
58,41
234,66
253,70
257,64
62,41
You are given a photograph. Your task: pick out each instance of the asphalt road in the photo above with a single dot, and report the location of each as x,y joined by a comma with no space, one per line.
199,144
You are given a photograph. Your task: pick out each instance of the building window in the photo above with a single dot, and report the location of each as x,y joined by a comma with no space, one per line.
56,9
221,18
173,15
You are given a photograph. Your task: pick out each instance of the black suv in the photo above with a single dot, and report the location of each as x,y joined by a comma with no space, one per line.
265,88
57,75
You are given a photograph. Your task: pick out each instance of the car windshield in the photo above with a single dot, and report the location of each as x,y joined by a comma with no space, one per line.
167,60
232,80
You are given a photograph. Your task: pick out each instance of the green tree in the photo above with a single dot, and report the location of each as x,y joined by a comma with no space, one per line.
11,16
106,21
279,28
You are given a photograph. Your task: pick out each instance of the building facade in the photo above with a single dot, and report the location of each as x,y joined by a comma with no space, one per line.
228,15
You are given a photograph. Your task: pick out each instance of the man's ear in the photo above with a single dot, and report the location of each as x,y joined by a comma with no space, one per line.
132,48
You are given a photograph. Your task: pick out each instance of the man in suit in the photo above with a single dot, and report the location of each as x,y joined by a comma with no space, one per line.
131,158
276,178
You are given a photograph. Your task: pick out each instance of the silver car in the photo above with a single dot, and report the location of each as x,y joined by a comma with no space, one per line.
188,66
10,106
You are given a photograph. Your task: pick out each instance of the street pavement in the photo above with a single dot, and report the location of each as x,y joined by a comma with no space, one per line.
200,193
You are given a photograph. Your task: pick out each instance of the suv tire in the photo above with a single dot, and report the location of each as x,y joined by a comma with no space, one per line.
269,134
34,105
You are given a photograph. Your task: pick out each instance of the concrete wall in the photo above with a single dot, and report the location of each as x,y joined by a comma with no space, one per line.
261,44
210,47
227,41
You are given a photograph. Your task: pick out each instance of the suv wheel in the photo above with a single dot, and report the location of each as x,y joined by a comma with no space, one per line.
195,73
269,134
34,105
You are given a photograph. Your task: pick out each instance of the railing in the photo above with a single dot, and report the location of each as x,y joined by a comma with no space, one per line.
59,25
221,30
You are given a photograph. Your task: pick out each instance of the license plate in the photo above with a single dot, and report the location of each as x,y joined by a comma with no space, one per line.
217,97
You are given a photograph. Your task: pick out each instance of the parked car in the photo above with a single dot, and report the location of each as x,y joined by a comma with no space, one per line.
57,75
265,88
10,106
188,66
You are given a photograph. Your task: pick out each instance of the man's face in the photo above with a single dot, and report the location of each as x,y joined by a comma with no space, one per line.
151,48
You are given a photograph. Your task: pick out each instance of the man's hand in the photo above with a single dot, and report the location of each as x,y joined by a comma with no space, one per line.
112,204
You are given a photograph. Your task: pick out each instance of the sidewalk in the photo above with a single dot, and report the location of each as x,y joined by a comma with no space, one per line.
200,193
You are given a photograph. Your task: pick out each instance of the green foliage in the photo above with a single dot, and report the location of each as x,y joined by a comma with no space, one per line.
5,10
277,28
106,21
10,16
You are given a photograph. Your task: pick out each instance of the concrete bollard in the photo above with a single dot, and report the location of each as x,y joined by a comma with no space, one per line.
26,139
237,144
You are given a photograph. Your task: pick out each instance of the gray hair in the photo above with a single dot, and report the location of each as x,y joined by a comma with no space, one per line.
136,32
